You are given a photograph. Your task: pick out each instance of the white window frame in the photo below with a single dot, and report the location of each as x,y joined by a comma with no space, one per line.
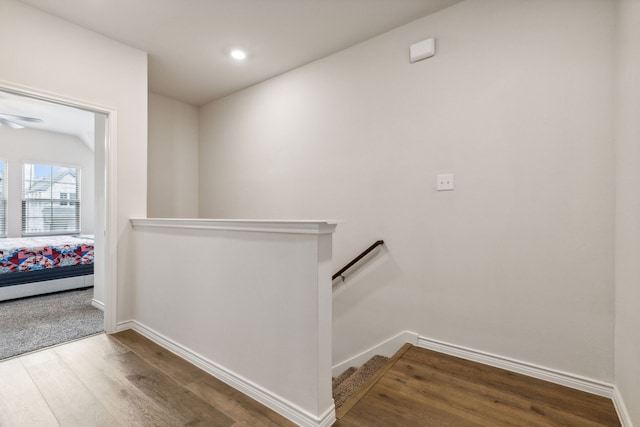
54,203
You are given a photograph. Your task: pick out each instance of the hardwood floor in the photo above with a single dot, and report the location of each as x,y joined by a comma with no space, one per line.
127,380
120,380
425,388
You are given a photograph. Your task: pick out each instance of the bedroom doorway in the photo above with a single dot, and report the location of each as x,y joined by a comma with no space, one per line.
49,188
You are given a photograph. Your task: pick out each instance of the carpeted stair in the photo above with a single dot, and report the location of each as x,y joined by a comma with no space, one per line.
347,385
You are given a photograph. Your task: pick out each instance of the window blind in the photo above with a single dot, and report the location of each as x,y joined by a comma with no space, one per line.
50,200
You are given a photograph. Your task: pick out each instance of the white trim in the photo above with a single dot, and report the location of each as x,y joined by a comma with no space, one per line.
621,408
110,226
547,374
55,98
125,325
256,392
386,348
327,418
97,304
258,225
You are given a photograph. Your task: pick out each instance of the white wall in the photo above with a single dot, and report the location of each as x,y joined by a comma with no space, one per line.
21,146
518,260
627,338
173,159
250,302
51,56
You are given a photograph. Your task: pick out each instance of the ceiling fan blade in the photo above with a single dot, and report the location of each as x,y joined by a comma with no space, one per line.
10,124
23,118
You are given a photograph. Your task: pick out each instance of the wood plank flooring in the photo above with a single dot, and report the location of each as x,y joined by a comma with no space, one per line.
120,380
127,380
426,388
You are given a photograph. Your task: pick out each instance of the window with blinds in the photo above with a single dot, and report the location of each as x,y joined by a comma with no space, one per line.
50,200
3,198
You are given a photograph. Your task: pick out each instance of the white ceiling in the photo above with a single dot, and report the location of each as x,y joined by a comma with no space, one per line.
188,40
55,117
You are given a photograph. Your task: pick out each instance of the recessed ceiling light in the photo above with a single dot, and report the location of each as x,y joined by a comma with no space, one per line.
238,54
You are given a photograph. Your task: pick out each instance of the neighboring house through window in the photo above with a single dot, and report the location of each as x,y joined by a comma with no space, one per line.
50,201
66,196
3,198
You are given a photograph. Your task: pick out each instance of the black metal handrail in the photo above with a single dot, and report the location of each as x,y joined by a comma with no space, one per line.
358,258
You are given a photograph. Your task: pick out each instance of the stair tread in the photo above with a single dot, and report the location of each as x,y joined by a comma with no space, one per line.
348,403
342,377
350,384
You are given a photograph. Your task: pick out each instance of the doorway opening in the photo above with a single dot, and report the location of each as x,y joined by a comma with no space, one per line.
54,275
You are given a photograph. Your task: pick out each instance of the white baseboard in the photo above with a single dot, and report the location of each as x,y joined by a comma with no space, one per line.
256,392
393,344
621,409
97,304
386,348
557,377
125,325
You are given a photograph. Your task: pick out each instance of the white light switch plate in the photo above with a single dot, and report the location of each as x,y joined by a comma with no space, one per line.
422,50
444,182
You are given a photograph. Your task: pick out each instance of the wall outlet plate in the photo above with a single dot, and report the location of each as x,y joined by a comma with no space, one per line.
444,182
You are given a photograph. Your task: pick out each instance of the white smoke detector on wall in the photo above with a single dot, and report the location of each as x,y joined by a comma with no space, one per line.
422,50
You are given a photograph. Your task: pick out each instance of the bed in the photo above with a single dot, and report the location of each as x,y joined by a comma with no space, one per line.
37,265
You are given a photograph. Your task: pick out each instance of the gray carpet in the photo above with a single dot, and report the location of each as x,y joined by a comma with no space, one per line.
33,323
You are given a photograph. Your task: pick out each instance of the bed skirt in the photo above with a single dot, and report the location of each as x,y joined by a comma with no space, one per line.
45,287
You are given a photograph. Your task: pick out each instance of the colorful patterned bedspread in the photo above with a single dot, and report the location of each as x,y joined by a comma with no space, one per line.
39,253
